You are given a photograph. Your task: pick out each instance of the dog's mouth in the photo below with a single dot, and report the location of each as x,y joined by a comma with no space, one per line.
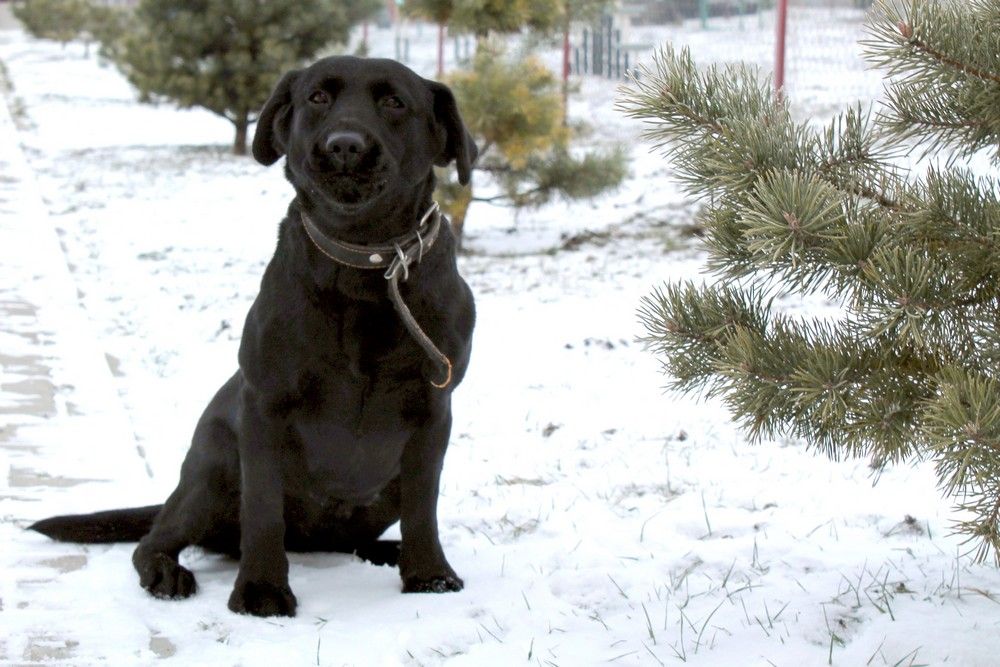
351,190
349,187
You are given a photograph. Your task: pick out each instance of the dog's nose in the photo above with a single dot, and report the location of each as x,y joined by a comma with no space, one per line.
346,149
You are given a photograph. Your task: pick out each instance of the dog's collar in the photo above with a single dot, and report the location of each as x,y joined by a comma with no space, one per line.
396,255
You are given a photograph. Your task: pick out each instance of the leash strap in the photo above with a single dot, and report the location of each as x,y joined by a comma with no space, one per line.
417,333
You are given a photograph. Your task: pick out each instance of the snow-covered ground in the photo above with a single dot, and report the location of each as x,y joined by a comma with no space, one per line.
594,519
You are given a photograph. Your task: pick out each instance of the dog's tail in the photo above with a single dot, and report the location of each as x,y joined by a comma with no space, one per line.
127,525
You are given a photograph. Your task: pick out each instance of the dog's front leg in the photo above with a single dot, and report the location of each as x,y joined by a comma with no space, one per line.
262,583
422,564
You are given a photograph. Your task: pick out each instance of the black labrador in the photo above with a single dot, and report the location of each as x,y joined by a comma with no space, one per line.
336,423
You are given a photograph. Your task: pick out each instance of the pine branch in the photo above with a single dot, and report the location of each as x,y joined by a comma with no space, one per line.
942,60
910,367
963,428
857,189
853,155
776,375
728,149
919,44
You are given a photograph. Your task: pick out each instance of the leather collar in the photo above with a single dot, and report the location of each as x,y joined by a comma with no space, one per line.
398,252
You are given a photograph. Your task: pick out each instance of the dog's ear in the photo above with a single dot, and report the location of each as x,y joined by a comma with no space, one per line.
458,143
273,124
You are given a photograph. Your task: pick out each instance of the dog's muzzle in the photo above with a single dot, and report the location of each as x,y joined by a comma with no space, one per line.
349,166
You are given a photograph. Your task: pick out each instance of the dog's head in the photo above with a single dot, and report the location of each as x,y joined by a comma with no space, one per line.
360,131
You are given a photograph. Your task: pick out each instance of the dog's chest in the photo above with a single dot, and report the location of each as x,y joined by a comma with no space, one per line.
351,433
348,379
339,463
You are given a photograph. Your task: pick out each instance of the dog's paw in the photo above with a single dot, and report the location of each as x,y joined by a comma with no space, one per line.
165,578
262,599
445,583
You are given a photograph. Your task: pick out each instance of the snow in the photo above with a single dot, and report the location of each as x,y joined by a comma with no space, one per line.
594,518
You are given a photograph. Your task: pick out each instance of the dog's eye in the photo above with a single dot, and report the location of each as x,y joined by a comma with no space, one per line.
393,102
319,97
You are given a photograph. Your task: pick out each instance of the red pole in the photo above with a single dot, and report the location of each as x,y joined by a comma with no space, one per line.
779,50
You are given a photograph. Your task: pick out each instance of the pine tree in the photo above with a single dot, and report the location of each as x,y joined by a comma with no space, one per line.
910,368
59,20
485,17
513,108
226,55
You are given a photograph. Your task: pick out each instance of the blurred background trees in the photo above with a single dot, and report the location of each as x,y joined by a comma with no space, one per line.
515,108
223,55
59,20
226,55
438,12
63,20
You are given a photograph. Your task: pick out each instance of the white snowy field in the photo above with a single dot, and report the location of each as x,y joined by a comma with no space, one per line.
594,519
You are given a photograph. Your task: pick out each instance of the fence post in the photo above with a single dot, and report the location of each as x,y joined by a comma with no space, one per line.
610,40
597,69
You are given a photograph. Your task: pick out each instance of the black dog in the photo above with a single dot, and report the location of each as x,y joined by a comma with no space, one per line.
336,423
